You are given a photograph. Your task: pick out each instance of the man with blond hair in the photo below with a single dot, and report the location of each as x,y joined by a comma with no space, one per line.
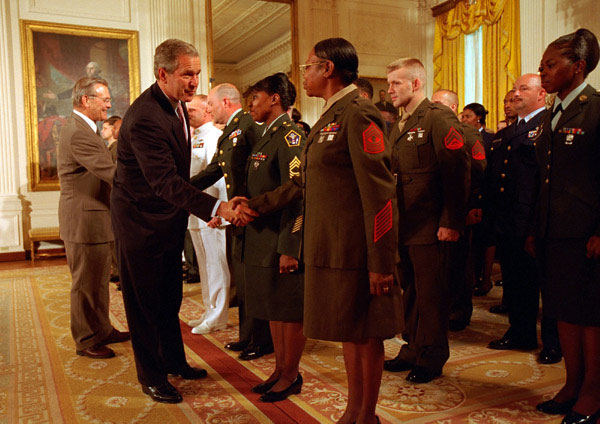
432,176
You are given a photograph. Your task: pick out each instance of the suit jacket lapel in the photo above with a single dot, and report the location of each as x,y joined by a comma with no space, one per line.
180,139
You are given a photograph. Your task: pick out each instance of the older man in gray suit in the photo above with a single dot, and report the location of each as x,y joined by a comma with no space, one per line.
86,171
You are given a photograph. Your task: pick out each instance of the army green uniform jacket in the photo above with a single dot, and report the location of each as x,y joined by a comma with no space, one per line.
233,149
274,160
349,195
433,173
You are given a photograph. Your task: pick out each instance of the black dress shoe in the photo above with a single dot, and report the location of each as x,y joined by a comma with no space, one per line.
422,375
508,343
237,346
456,325
553,407
293,389
549,356
577,418
190,373
255,352
165,393
263,387
397,365
499,309
98,351
483,288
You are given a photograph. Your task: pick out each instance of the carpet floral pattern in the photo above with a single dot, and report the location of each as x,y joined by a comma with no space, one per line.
42,380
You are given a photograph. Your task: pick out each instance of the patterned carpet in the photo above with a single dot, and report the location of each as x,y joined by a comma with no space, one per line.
42,380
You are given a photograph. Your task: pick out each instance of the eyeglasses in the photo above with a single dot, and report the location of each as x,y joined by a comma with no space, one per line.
106,100
304,68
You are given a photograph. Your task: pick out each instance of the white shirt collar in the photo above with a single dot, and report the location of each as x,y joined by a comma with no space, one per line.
570,97
271,124
88,121
531,115
232,116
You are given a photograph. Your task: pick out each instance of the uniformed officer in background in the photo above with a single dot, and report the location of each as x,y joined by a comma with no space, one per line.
233,148
462,254
432,170
512,185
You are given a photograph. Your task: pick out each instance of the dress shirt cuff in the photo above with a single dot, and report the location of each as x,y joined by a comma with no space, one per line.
216,207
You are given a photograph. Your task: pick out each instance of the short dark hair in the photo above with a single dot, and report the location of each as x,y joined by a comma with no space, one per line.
85,87
343,55
365,86
478,110
296,115
167,53
579,45
111,120
278,84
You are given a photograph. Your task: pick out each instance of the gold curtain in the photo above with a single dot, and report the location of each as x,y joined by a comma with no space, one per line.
501,50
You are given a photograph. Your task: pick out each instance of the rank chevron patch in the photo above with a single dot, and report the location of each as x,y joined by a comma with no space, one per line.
453,140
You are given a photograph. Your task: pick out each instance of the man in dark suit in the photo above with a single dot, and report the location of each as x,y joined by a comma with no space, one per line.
512,181
86,171
230,161
432,169
150,203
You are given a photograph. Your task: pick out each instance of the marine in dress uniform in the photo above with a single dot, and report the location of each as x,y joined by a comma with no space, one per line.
433,175
230,160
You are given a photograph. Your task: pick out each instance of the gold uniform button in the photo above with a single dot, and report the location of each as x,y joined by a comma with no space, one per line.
505,161
547,166
508,148
547,180
225,174
549,152
228,186
220,152
223,163
503,175
501,189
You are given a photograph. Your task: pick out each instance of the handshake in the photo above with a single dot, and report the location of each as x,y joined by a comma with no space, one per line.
235,211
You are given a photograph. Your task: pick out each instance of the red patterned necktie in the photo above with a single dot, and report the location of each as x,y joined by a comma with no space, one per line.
182,120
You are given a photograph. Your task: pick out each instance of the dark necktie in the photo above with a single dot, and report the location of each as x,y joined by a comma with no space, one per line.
556,111
182,120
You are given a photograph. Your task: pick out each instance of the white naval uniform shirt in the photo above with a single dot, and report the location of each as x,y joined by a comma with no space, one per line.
204,146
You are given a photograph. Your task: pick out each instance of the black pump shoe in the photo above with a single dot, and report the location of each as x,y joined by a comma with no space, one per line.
263,387
293,389
553,407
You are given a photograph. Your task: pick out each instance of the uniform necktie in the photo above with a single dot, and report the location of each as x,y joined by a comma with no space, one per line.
405,116
554,116
182,120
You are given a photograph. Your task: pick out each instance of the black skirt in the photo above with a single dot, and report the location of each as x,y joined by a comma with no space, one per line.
570,282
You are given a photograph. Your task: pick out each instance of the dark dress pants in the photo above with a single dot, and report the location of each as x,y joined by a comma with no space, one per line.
461,279
252,330
424,278
152,292
521,291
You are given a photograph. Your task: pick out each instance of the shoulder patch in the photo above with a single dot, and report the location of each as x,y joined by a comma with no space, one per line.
373,139
383,221
292,138
477,151
453,140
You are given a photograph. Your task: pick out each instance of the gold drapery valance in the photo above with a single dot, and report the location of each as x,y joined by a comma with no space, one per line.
501,50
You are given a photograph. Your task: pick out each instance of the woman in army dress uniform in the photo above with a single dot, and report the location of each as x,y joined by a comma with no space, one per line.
568,220
350,225
271,246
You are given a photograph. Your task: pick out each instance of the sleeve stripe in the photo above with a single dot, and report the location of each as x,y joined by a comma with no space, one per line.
383,221
298,224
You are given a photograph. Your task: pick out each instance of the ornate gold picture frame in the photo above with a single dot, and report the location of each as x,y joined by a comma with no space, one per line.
55,56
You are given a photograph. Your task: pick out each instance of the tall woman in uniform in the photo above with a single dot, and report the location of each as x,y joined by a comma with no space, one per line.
350,227
271,247
568,220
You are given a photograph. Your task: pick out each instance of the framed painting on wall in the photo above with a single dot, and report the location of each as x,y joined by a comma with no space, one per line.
55,56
